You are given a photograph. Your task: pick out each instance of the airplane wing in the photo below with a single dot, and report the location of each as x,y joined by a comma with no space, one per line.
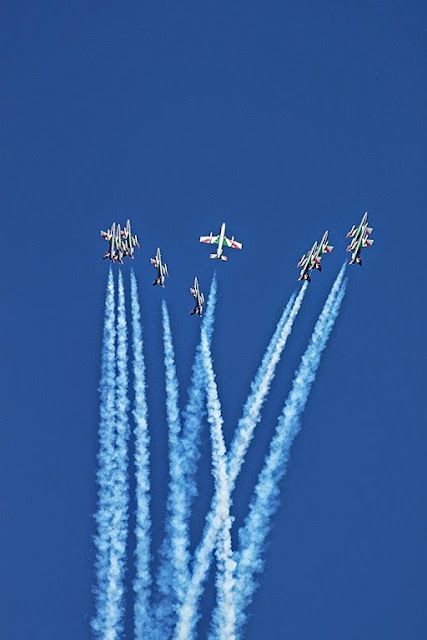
232,243
209,239
352,232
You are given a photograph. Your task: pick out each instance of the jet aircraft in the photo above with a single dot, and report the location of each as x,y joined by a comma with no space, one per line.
322,248
222,241
122,243
307,263
360,239
162,269
120,247
199,298
113,238
130,241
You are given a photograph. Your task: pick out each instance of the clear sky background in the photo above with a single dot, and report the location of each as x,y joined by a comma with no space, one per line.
283,119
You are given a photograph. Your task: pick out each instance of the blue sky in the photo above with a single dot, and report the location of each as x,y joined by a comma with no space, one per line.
282,119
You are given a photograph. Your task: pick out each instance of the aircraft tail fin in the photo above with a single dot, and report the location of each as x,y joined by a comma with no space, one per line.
223,257
213,256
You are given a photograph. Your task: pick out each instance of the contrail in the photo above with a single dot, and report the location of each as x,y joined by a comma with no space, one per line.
266,495
143,622
107,390
188,612
119,521
173,571
225,616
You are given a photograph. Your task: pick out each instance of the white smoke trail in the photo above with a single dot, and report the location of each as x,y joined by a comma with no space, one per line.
260,389
185,488
265,501
225,616
195,409
119,520
107,390
173,572
143,622
188,612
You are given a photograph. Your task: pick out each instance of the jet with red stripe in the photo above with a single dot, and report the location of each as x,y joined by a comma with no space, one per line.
161,267
322,248
311,260
222,241
307,263
113,237
360,240
130,241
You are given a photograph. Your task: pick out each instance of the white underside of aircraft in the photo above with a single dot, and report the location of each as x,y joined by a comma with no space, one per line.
222,241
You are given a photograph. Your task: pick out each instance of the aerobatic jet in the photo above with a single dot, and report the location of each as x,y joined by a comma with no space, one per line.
119,244
162,269
322,248
307,263
113,238
199,298
130,241
222,241
360,240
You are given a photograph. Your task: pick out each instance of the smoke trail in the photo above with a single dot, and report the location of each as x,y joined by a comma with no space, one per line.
188,613
260,388
195,409
105,460
142,582
119,520
173,573
265,501
225,615
185,488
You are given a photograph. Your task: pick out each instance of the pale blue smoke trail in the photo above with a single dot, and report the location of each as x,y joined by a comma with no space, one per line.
266,495
119,481
184,489
188,612
103,515
143,622
193,416
173,572
223,627
195,410
260,389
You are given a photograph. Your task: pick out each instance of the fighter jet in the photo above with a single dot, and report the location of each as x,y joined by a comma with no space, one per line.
199,298
360,240
322,248
161,268
111,237
119,245
307,263
221,241
130,241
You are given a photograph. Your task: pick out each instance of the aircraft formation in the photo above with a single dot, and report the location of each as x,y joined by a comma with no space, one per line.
122,243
